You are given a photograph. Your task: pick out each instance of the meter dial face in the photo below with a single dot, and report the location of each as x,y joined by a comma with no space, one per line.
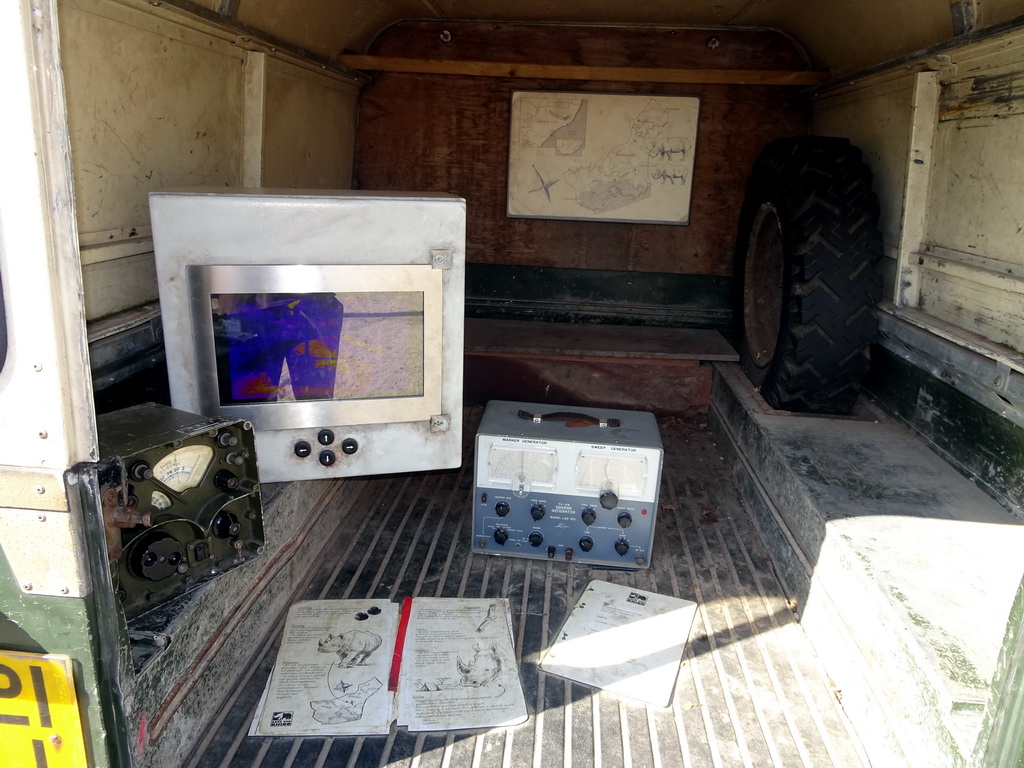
184,468
160,500
595,471
522,469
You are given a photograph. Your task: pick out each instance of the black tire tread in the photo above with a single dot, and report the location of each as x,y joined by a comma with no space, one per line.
822,191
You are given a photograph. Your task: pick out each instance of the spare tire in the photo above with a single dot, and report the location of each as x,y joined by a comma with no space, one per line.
806,275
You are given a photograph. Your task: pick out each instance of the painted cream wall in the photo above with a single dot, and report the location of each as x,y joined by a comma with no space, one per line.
978,180
841,36
961,260
875,116
973,274
309,129
848,35
330,27
46,412
158,98
151,104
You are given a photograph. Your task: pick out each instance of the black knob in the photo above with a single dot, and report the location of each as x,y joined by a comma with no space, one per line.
349,446
589,516
226,480
140,471
625,519
536,538
502,508
586,543
303,449
500,536
225,526
609,499
537,512
622,547
551,550
327,458
325,437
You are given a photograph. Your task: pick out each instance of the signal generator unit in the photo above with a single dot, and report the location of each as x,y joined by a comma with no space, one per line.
567,483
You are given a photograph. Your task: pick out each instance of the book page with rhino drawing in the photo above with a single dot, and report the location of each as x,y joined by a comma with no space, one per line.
331,674
459,667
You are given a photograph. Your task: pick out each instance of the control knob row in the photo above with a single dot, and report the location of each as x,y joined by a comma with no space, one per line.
536,538
589,517
537,511
326,457
501,536
621,546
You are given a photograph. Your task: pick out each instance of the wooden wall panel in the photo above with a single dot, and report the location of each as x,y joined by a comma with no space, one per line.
450,134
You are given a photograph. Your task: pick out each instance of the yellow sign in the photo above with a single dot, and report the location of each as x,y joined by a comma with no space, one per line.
39,720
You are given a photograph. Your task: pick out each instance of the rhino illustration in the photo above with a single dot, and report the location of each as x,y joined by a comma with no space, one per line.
481,672
353,648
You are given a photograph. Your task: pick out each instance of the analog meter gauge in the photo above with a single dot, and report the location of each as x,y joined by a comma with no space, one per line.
625,475
184,468
522,469
160,500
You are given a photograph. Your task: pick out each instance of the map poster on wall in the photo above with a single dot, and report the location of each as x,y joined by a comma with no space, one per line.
609,157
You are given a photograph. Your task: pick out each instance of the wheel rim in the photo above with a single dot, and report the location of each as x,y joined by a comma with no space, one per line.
763,286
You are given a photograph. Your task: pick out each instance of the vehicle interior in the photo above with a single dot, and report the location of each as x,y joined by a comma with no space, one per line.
788,232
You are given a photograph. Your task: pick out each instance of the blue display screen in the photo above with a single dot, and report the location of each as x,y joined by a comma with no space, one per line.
318,346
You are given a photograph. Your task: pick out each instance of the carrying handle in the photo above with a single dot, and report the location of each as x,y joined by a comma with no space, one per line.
571,419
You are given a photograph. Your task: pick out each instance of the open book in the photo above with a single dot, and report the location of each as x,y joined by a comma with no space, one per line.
351,667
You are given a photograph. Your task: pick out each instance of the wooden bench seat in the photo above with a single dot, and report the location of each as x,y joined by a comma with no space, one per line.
618,366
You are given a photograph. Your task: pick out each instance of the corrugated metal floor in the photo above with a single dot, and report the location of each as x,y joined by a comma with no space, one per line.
750,691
